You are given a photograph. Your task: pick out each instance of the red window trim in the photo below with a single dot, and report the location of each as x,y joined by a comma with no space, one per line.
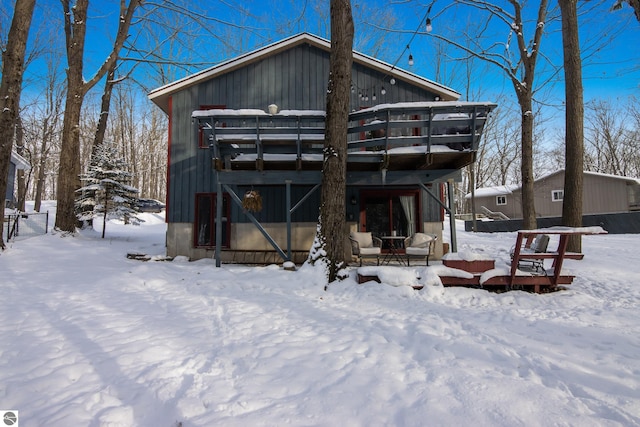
169,130
213,196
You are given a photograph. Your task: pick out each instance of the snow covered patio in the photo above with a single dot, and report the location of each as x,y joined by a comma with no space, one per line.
479,271
89,337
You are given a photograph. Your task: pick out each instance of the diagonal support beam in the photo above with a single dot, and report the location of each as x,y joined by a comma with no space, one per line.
255,222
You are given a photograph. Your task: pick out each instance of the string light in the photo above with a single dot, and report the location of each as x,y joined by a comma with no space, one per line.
426,20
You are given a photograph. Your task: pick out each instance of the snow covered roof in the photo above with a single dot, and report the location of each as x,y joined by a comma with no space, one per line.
510,188
604,175
161,95
607,175
498,190
19,161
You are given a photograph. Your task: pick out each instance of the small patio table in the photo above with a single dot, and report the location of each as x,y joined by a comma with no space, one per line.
393,246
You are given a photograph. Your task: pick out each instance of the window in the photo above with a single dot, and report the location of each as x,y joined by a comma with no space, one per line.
557,195
205,224
501,200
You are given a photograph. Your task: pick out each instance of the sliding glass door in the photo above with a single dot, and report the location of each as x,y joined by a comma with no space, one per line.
389,212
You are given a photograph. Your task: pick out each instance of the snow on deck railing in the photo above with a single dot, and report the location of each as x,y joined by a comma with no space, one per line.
386,128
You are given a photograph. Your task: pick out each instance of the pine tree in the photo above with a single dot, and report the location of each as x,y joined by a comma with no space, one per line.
106,189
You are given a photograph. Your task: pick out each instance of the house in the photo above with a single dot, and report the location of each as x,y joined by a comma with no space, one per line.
602,194
245,152
16,162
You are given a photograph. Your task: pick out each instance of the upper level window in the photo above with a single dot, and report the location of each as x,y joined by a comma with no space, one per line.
501,200
557,195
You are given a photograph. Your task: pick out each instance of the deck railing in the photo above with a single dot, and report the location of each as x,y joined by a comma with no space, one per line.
299,134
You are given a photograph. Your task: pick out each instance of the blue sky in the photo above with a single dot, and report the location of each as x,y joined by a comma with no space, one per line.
385,29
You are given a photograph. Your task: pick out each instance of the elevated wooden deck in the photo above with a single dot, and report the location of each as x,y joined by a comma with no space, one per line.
549,279
390,137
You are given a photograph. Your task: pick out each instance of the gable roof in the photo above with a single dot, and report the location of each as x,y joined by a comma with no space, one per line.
599,174
160,96
19,161
510,188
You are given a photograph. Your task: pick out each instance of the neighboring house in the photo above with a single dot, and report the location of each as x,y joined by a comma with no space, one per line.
15,163
252,129
602,194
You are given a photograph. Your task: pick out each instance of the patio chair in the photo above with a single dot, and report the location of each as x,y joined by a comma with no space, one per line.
364,245
419,246
539,245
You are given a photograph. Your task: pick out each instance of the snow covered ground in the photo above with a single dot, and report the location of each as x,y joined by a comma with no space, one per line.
89,337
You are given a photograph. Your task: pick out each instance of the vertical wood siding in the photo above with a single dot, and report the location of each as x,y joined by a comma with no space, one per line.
295,79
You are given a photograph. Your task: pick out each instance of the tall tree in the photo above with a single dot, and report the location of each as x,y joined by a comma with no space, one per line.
332,226
46,129
75,27
574,117
11,88
519,65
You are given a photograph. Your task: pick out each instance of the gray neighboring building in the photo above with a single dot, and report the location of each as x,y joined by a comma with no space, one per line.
603,193
17,162
255,124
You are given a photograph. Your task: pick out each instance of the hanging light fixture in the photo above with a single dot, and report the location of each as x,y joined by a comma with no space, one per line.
429,26
392,81
383,91
410,55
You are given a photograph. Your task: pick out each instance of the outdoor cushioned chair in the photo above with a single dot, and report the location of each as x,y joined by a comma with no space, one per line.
364,245
419,246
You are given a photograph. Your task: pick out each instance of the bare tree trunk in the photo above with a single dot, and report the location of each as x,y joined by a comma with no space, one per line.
332,210
521,72
574,141
105,106
69,172
41,175
75,19
472,190
46,140
529,221
11,88
106,210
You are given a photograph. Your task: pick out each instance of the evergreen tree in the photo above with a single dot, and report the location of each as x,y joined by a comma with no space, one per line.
106,189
